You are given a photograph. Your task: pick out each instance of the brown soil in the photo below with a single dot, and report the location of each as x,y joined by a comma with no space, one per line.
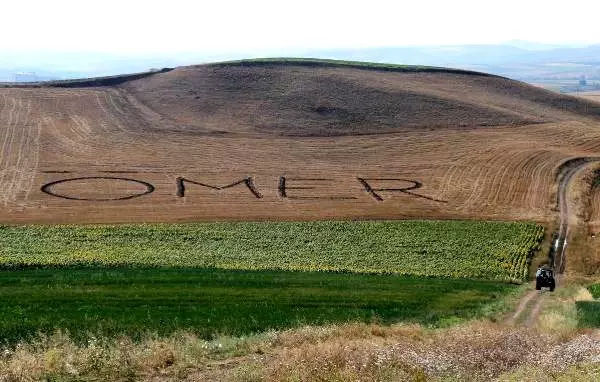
590,95
431,145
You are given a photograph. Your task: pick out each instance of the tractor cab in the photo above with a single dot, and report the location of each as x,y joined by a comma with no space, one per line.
544,278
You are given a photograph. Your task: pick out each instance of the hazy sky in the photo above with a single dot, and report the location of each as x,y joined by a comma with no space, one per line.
220,26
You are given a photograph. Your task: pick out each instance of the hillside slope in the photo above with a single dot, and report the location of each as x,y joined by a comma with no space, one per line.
299,98
288,140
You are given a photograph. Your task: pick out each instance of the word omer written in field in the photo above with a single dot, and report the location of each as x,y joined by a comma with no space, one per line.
294,188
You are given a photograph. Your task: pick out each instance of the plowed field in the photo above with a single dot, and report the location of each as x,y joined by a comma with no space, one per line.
288,141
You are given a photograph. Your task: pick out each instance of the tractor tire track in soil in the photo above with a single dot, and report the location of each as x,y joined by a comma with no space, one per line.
521,307
535,310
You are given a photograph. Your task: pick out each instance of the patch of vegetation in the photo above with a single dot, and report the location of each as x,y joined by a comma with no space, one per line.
588,313
595,290
470,249
316,62
109,302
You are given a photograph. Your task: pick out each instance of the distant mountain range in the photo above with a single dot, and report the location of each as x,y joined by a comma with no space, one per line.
535,62
518,60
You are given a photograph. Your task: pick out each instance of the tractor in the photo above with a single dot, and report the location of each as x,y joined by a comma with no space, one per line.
544,278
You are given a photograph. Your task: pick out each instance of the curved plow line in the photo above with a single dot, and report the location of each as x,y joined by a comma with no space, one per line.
479,171
110,119
112,116
478,186
80,127
105,122
543,180
499,183
526,167
67,143
447,181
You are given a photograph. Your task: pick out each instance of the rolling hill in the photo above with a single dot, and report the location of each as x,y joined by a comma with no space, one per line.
287,139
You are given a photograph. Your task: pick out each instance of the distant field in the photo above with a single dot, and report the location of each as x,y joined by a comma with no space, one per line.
590,95
470,249
138,302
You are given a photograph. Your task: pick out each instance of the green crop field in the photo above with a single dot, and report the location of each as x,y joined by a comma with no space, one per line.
239,278
136,302
483,250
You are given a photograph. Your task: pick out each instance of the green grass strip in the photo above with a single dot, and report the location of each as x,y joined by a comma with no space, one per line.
110,302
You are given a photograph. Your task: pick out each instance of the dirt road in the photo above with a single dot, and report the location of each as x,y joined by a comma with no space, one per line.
531,304
560,243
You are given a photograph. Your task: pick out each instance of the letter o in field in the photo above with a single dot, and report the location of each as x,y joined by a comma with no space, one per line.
119,186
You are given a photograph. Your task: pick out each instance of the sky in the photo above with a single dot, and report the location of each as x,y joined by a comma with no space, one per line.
255,26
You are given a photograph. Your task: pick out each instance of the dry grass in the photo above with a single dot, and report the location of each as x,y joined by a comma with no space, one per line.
121,359
584,372
558,317
584,252
470,141
475,351
583,193
351,352
592,181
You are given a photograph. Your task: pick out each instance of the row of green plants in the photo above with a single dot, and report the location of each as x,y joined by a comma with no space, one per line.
468,249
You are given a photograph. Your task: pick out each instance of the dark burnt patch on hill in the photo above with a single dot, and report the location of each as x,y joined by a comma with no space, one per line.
332,105
302,99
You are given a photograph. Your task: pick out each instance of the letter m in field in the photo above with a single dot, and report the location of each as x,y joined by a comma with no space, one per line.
247,182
